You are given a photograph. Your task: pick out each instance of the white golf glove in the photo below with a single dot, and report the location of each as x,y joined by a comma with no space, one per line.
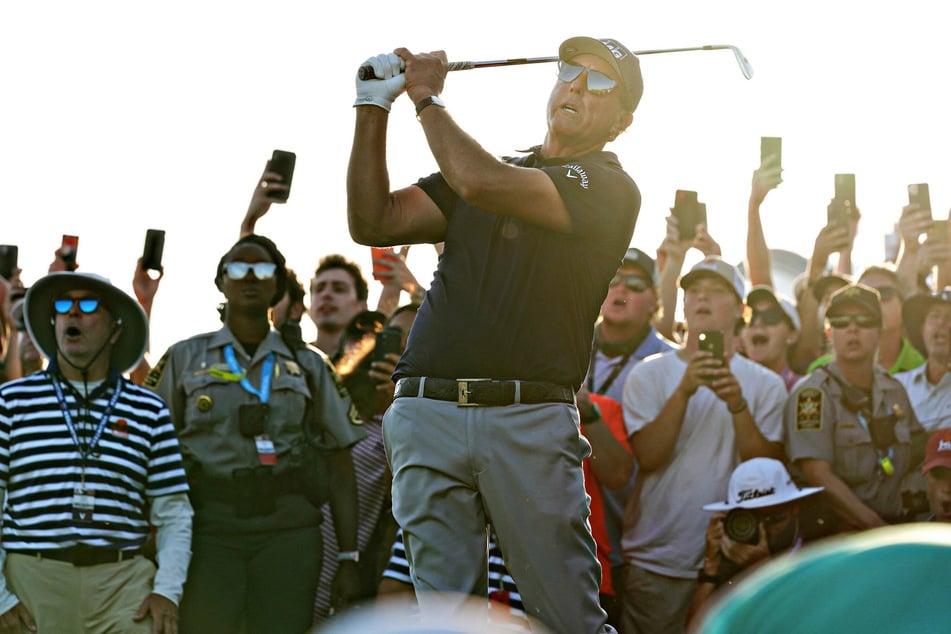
381,92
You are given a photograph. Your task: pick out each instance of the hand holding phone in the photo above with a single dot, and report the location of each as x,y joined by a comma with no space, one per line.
919,193
686,210
388,341
282,162
152,251
68,249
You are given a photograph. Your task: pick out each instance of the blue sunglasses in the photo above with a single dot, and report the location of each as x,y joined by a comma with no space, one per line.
87,305
598,83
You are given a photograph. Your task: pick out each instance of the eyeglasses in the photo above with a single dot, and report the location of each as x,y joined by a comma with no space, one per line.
770,316
862,321
262,270
598,83
634,283
887,292
87,305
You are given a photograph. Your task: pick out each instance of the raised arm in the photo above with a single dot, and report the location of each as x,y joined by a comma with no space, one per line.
767,177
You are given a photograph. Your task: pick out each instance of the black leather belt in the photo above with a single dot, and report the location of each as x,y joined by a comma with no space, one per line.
484,391
83,555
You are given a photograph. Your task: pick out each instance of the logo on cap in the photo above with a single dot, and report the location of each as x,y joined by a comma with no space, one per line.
616,49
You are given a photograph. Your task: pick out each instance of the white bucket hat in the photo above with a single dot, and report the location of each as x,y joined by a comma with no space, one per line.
760,482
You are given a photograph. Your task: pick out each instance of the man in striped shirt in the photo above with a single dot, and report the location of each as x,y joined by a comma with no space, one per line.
88,461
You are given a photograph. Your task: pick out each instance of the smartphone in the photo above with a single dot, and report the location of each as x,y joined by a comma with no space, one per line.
283,163
388,340
837,213
845,190
381,253
771,146
68,249
152,251
8,260
919,193
712,341
938,231
687,211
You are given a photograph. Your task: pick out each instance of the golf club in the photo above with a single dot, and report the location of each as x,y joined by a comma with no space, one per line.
366,72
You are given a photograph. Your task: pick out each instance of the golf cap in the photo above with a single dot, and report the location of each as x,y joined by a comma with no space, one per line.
715,266
761,292
856,295
915,309
40,317
644,262
760,482
938,451
625,64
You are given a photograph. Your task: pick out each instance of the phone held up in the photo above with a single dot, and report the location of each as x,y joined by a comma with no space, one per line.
919,193
771,146
8,260
152,250
282,162
689,213
712,342
842,208
388,340
68,250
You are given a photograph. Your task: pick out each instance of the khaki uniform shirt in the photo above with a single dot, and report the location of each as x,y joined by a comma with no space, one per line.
820,426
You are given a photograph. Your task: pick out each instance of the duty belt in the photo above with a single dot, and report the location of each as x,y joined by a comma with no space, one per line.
473,392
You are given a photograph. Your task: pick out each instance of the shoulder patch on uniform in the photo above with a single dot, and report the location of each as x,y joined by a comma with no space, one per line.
809,410
155,376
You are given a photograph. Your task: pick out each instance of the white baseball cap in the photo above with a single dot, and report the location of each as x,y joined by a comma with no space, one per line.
760,482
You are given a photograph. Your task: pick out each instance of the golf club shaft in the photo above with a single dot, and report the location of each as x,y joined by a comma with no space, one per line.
366,72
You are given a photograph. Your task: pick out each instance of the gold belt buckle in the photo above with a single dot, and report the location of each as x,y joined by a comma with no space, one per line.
463,392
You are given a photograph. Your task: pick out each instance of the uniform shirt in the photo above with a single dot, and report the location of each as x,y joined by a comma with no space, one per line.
932,403
136,458
663,528
514,300
819,426
193,378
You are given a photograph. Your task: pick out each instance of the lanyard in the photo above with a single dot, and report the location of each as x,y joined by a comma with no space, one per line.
264,393
88,448
885,466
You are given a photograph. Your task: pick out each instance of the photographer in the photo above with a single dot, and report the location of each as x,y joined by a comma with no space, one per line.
759,519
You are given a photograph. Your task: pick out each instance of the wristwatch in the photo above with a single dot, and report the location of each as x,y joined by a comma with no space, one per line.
349,555
593,416
422,104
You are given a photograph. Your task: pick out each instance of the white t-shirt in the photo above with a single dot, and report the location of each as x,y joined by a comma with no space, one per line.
664,527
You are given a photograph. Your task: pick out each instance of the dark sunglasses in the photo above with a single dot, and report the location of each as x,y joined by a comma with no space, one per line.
773,518
770,316
862,321
87,305
887,292
634,283
598,83
262,270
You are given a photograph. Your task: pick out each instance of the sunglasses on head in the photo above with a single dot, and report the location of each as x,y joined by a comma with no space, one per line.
634,283
862,321
769,316
598,83
87,305
262,270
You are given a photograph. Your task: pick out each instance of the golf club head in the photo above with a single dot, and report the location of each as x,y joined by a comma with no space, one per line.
743,62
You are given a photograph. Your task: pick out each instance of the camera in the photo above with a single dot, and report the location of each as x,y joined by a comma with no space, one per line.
741,525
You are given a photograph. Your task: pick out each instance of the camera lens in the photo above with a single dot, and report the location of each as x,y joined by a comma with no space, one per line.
742,526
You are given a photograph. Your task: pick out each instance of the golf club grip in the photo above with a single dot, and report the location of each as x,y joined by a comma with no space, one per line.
366,72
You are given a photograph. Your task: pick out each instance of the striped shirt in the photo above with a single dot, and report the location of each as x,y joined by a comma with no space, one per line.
136,458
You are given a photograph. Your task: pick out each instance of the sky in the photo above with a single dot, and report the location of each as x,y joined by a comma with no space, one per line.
123,116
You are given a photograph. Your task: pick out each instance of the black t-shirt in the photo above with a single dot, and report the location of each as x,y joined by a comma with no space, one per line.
513,300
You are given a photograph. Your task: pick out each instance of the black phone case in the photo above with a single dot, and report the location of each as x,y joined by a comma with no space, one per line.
686,210
153,249
8,260
283,163
387,341
712,341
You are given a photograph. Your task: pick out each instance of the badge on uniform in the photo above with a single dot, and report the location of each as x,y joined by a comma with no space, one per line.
266,452
292,368
84,502
809,410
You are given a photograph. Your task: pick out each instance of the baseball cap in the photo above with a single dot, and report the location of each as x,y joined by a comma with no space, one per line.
643,261
718,267
625,63
760,482
829,281
915,309
858,295
762,291
938,451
